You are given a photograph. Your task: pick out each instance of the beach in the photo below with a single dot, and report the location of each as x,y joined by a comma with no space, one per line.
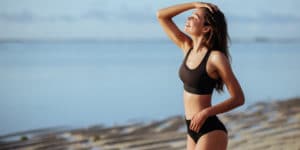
273,125
106,75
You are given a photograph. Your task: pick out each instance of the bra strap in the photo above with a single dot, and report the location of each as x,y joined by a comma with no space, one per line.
207,55
188,53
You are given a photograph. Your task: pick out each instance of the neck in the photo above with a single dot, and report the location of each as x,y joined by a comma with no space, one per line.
197,43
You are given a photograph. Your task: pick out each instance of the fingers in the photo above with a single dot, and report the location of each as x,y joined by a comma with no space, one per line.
212,7
197,128
194,126
206,5
215,7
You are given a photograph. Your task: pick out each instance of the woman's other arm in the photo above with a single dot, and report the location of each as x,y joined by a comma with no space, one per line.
224,70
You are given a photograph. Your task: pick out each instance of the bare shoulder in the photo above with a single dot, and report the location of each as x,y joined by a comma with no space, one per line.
218,57
219,60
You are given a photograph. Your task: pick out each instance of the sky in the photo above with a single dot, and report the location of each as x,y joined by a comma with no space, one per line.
135,19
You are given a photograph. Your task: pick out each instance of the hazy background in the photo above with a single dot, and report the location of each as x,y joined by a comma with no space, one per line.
80,63
135,19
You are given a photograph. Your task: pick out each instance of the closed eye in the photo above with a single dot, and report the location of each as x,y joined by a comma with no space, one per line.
195,16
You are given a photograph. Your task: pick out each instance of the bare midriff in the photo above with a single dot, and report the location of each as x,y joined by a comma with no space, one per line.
194,103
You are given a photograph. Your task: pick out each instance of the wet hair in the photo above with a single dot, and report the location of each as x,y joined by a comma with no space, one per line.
217,38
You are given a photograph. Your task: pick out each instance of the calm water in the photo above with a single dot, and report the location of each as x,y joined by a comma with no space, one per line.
81,84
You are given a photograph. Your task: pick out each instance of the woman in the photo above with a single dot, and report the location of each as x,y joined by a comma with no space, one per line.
205,66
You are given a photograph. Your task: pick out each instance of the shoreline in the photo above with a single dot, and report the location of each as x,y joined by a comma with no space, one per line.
258,39
263,125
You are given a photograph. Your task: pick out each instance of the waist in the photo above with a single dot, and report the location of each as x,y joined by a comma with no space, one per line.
194,103
196,100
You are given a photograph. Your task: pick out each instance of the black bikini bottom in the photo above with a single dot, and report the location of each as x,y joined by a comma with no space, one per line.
210,124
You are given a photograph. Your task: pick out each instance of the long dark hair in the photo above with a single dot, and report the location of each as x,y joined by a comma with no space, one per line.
217,38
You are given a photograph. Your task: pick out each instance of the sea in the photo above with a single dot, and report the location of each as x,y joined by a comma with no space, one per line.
83,83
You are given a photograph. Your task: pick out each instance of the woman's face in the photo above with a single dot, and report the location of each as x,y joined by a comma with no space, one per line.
195,23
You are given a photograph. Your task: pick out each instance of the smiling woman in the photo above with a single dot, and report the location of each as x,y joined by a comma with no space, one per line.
206,66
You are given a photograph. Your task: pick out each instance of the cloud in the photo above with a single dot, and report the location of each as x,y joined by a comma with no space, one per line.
29,17
98,15
136,16
93,18
265,18
24,16
95,14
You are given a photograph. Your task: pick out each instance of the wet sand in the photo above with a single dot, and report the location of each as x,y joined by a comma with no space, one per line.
263,126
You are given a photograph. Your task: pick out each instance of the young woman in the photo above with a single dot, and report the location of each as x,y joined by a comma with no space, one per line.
205,66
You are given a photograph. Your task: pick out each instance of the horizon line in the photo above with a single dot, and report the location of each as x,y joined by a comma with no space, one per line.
54,40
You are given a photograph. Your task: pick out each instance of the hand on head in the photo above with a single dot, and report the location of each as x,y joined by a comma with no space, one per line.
212,7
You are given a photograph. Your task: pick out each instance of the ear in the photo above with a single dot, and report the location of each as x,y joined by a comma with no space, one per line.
206,29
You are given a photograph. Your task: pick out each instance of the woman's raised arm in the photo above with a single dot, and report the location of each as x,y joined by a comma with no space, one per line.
165,16
165,19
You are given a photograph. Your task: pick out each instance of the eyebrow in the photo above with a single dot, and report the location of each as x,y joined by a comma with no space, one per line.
196,15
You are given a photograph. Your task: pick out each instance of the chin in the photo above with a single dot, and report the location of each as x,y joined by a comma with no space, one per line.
187,31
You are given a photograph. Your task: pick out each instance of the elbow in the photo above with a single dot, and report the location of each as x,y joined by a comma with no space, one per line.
158,14
161,15
240,100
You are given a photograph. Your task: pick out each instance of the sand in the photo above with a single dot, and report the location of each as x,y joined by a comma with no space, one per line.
263,126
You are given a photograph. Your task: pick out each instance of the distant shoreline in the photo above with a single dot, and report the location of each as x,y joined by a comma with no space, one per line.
159,40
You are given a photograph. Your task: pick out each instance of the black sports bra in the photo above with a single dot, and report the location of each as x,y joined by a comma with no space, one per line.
197,80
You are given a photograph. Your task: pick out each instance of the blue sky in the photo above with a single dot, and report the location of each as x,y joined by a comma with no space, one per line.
135,19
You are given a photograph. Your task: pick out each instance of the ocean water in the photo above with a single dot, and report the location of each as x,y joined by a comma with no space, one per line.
78,84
